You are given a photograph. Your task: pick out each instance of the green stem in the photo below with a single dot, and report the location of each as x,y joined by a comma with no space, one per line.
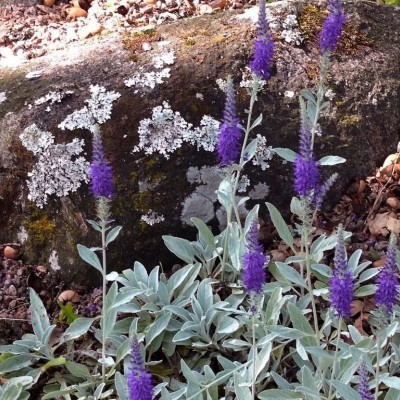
253,386
378,354
320,95
335,359
104,311
309,285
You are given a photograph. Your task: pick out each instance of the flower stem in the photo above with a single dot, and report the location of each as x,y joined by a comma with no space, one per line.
104,311
309,285
378,354
253,386
335,358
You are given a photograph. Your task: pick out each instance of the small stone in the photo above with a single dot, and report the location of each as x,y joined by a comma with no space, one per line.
76,12
12,304
69,296
12,291
11,253
40,269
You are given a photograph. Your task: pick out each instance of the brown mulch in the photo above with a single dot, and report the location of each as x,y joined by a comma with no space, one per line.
30,31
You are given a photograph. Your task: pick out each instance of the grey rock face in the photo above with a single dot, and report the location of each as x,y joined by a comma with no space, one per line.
164,173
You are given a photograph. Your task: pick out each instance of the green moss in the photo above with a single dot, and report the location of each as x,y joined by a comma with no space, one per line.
133,41
189,41
311,19
219,38
39,226
142,201
350,119
338,102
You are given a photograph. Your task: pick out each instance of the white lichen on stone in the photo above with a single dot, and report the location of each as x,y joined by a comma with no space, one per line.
53,97
204,136
97,111
247,79
290,30
33,74
289,93
159,60
3,97
22,235
221,83
259,192
243,183
199,96
330,94
58,170
200,203
263,154
152,218
163,133
36,140
148,79
53,261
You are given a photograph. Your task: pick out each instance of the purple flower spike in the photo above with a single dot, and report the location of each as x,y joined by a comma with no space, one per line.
306,171
254,260
332,28
228,140
341,283
264,47
139,380
363,388
101,174
388,280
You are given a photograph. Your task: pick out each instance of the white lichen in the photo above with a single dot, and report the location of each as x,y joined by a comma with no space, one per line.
3,97
163,133
148,79
243,183
159,60
290,30
204,136
199,96
200,203
53,261
97,111
152,218
263,154
330,94
58,169
259,192
53,97
36,140
22,235
221,83
289,93
248,81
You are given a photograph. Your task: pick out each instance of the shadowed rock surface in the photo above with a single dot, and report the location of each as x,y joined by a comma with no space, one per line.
362,125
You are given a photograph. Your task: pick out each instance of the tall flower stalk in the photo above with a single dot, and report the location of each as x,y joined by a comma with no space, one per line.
341,290
139,379
254,276
102,188
233,151
386,297
307,182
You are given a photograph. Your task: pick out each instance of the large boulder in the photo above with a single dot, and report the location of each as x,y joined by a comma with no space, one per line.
157,86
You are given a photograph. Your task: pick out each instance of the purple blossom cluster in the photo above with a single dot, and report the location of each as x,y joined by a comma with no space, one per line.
342,282
264,47
388,281
139,380
306,173
363,388
101,174
228,140
332,28
254,260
